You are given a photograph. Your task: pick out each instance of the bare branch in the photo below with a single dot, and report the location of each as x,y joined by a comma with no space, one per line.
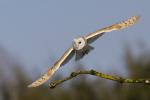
101,75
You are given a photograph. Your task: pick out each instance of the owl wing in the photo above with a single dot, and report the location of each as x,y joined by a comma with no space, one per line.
124,24
63,60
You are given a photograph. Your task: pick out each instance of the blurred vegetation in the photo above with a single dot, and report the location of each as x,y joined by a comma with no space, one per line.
80,88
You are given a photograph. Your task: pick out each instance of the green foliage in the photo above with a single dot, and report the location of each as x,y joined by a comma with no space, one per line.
83,89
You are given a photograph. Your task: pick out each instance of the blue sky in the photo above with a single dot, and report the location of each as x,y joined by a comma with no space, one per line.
37,32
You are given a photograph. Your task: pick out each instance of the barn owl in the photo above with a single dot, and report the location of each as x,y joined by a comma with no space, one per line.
81,46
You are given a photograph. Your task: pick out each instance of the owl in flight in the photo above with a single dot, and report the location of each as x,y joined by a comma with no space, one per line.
81,46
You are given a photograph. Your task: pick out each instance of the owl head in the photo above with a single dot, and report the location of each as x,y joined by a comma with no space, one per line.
79,43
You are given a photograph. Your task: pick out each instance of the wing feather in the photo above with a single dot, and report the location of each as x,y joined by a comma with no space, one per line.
64,59
124,24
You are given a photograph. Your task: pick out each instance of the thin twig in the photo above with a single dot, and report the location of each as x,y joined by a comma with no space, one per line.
101,75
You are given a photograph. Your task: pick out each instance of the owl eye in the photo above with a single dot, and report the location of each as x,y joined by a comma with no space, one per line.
79,42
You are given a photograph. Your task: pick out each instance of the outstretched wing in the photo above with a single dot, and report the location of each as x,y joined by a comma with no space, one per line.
124,24
64,59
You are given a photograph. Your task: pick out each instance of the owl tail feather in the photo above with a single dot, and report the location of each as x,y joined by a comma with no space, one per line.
81,53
